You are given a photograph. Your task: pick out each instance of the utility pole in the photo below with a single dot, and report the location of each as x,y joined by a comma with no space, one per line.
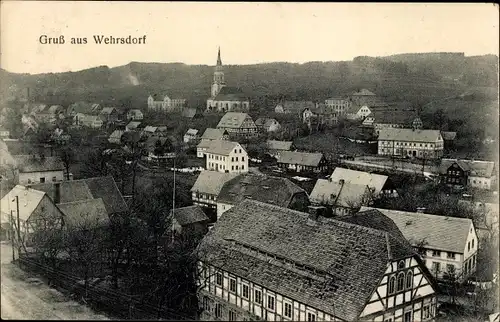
173,201
18,228
12,235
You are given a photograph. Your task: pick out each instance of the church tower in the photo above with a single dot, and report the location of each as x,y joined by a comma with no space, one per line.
218,81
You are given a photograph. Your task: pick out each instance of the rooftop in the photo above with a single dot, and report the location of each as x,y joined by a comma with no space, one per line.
212,134
32,163
409,135
279,145
189,215
233,120
485,169
301,158
228,93
372,180
211,182
335,193
28,202
84,214
221,147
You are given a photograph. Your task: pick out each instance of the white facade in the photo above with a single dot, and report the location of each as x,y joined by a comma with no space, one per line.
339,105
40,177
236,161
411,149
361,113
482,182
166,104
222,208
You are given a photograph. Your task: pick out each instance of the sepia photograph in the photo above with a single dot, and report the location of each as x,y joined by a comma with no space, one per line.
249,161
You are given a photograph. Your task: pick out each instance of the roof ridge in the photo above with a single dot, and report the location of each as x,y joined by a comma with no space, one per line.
81,201
411,213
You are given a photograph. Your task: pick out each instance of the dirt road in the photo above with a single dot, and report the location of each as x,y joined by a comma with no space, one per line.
28,298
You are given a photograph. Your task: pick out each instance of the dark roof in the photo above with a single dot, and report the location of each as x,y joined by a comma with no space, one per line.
90,213
328,264
31,163
279,145
483,169
230,94
212,134
189,215
274,190
373,218
301,158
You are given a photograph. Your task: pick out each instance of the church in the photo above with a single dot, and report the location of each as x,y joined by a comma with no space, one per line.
224,98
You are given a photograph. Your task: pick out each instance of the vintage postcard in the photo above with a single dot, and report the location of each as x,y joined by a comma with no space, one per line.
245,161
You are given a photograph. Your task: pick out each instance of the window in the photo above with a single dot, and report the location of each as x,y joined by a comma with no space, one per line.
236,159
409,280
473,243
311,317
240,152
436,267
218,279
232,285
426,312
388,319
401,281
42,180
242,167
206,303
236,167
451,255
232,159
408,317
232,316
436,253
258,297
468,246
245,291
392,284
242,158
232,167
54,178
218,310
473,261
270,302
288,310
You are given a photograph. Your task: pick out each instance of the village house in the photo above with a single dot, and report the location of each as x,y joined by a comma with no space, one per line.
388,118
208,136
188,221
191,136
293,107
226,156
238,124
448,245
267,125
207,187
321,114
191,113
338,104
149,130
468,173
269,189
426,144
86,120
378,183
84,108
360,112
109,115
341,197
302,161
50,115
85,215
274,148
224,98
34,169
165,103
363,96
264,262
135,115
133,126
116,137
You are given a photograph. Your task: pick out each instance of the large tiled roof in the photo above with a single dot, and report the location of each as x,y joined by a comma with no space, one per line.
279,145
409,135
373,218
228,93
328,264
222,147
301,158
29,199
372,180
211,182
117,134
85,214
30,163
338,194
475,168
232,120
212,134
438,232
189,215
274,190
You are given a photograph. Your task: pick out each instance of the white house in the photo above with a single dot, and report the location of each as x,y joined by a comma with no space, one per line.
135,115
339,104
36,169
265,262
208,136
207,187
410,143
378,182
448,245
165,103
191,136
226,156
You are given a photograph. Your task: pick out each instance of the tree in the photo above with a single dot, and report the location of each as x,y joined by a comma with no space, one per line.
67,155
96,164
13,120
135,150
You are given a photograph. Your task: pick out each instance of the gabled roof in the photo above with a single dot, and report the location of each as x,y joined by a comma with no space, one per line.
135,112
212,134
448,136
437,232
222,147
85,214
211,182
107,110
409,135
192,131
269,189
328,264
228,93
301,158
279,145
340,194
31,163
69,190
233,120
363,92
29,199
485,169
189,215
372,180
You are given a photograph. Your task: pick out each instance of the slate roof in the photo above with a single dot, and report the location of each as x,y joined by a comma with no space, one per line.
232,120
189,215
29,199
269,189
222,147
318,262
373,218
204,143
279,145
84,189
228,93
364,92
212,134
211,182
301,158
296,106
31,163
372,180
439,232
409,135
337,194
448,136
90,213
485,169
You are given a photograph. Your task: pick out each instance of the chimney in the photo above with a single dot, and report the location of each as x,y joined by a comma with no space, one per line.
315,212
57,193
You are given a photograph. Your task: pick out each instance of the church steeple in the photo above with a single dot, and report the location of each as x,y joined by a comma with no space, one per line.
218,81
219,61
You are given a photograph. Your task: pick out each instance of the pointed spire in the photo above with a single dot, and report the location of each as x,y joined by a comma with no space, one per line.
219,61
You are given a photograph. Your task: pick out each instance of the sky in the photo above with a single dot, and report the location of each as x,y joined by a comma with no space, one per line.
247,33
